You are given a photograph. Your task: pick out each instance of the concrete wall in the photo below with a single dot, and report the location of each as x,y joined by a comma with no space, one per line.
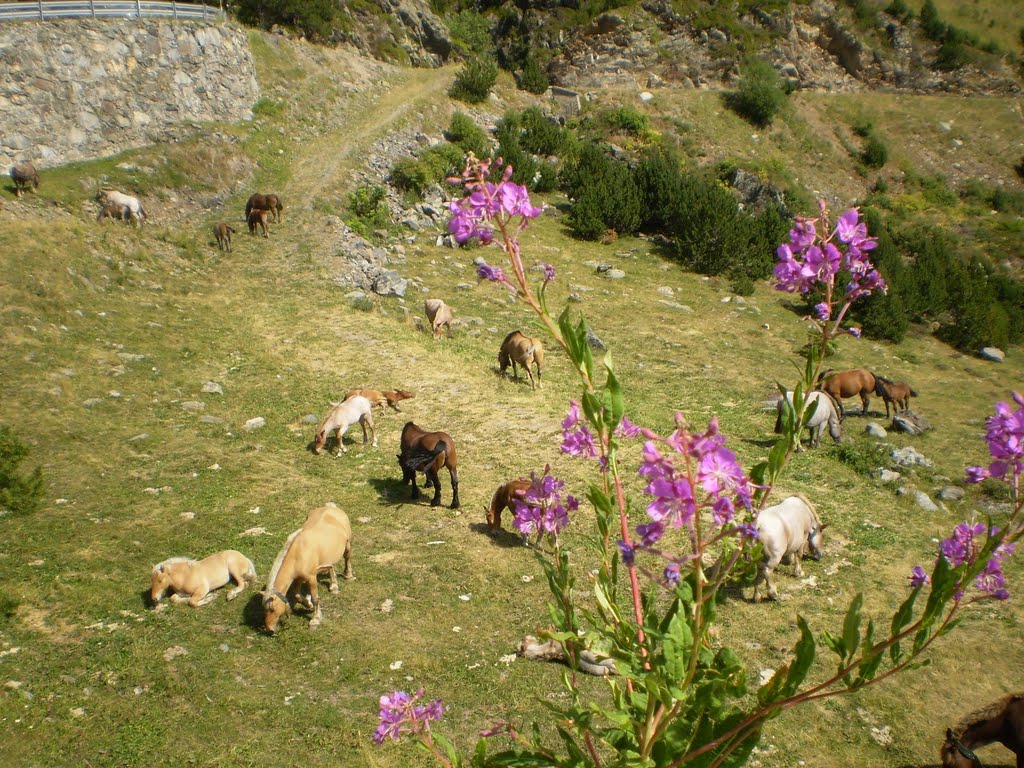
79,89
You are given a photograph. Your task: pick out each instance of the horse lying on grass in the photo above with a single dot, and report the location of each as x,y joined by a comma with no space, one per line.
341,417
388,398
898,394
826,411
223,234
503,499
788,531
193,581
24,175
136,212
323,540
427,452
1002,721
551,650
521,349
841,384
270,203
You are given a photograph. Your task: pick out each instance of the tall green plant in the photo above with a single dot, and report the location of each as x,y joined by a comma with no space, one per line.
20,492
474,81
677,701
760,95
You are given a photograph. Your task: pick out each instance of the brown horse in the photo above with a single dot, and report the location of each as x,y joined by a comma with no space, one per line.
1002,721
257,217
427,452
263,202
897,393
223,234
503,499
24,175
520,348
840,384
113,212
388,398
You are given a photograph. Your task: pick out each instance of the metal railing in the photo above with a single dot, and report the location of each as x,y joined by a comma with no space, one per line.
41,10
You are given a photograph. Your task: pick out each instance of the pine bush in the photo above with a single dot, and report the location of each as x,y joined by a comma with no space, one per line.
20,493
474,81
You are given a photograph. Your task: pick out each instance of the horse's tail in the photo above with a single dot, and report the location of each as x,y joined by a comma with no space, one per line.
418,459
913,392
230,229
880,382
142,212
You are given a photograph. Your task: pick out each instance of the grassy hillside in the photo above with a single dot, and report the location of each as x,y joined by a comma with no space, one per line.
109,335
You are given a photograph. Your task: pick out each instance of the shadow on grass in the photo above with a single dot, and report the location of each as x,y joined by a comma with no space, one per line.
252,613
393,491
499,538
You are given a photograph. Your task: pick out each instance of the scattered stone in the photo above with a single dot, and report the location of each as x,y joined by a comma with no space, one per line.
924,502
646,97
675,305
883,735
665,290
615,274
12,685
395,665
387,606
875,430
213,388
310,418
994,354
911,423
766,675
888,476
193,405
224,647
390,283
256,423
139,437
174,651
187,515
257,531
78,712
594,341
92,402
466,598
951,493
908,457
211,419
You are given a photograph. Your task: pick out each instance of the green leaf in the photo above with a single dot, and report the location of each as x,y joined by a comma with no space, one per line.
834,643
804,652
676,648
592,409
616,406
851,626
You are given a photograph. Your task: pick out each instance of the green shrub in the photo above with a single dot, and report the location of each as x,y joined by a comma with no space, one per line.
899,10
267,107
20,493
469,136
759,96
932,26
658,176
882,316
631,121
1008,201
314,18
875,153
367,210
585,217
862,457
540,134
471,31
952,54
410,175
474,81
533,79
711,233
611,185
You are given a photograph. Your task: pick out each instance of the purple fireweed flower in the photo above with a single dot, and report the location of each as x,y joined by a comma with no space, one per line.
649,533
918,577
961,547
400,714
723,511
488,205
672,574
855,332
487,272
991,580
747,531
822,311
976,474
549,272
673,502
718,471
627,428
628,553
578,442
540,509
573,416
1004,433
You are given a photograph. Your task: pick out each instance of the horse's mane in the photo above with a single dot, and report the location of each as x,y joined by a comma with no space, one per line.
985,713
172,561
280,559
510,335
810,506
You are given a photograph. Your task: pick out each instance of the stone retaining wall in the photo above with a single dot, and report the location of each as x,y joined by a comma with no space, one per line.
81,89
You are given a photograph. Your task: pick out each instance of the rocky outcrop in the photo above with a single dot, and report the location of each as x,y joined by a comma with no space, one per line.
386,27
82,89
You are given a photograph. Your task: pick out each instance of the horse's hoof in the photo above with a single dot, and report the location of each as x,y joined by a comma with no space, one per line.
314,624
334,589
435,502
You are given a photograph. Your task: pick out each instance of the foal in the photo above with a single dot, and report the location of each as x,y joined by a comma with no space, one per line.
223,234
1002,721
898,394
257,217
342,416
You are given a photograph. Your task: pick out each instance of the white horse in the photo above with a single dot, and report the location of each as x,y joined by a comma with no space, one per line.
193,581
787,531
826,410
342,416
132,204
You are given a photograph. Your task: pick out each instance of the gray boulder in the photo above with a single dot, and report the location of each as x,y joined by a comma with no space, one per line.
390,283
908,457
911,423
994,354
876,430
924,502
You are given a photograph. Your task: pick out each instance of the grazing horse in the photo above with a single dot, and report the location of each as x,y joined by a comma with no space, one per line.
257,217
223,234
24,175
118,212
898,394
827,410
323,540
504,498
270,203
840,384
342,416
388,398
1002,721
521,349
440,316
134,207
193,581
787,531
427,452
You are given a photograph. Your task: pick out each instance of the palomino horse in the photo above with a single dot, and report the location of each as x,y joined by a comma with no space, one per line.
193,581
342,416
24,175
1002,721
387,398
504,498
521,349
262,202
323,540
827,410
440,315
427,452
898,394
134,207
840,384
787,531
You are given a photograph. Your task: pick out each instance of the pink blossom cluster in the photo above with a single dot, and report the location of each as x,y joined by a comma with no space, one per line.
488,204
577,439
540,509
1004,434
812,261
400,714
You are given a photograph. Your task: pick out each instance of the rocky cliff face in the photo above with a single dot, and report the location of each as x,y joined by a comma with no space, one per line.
78,89
397,29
